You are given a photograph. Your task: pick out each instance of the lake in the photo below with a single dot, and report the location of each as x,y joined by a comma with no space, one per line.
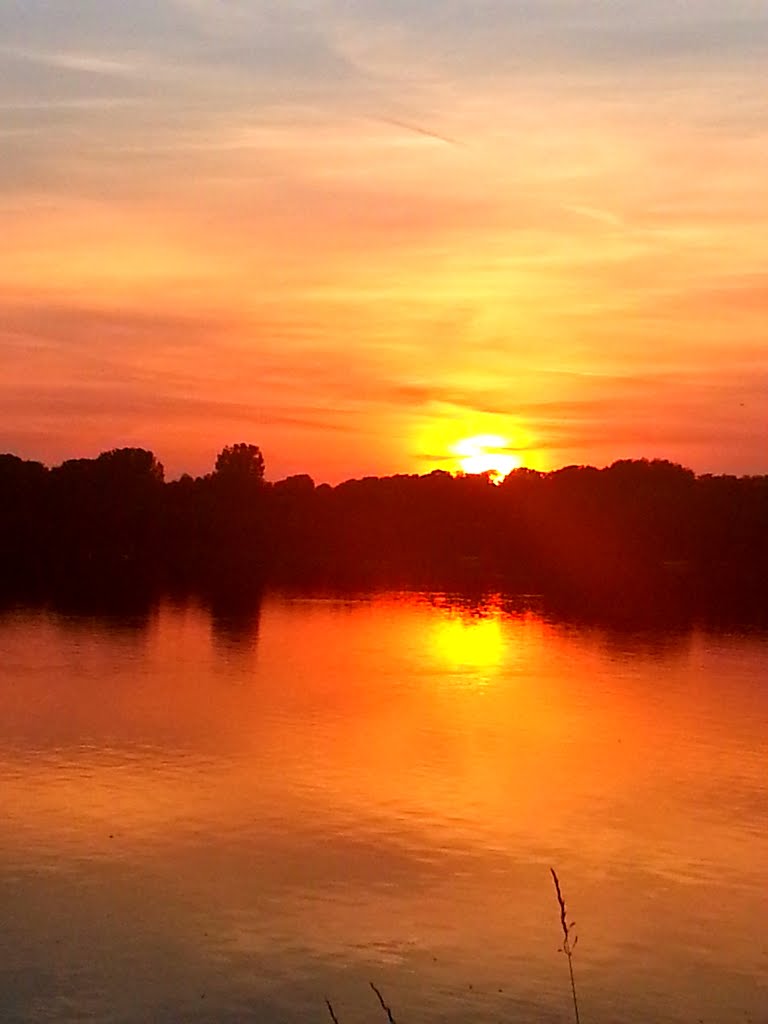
215,817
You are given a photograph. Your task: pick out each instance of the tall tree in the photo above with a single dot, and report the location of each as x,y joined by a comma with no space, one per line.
240,463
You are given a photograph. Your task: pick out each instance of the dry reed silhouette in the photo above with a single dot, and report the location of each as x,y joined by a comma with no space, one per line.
379,996
569,944
569,940
384,1006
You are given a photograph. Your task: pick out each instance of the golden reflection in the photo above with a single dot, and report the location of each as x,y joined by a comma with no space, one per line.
343,738
469,642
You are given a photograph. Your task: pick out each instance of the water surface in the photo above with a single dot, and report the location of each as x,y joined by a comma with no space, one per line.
218,818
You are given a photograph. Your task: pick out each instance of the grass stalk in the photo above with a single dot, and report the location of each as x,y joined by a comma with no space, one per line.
384,1006
569,944
569,940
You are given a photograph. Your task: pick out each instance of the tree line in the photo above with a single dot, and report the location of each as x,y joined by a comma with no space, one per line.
637,531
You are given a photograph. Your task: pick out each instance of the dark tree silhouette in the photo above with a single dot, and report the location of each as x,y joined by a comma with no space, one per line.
637,533
240,463
233,518
24,521
106,514
132,464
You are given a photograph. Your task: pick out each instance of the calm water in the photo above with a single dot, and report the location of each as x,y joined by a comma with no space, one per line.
212,819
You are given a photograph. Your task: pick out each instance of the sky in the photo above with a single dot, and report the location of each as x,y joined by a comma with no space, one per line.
358,232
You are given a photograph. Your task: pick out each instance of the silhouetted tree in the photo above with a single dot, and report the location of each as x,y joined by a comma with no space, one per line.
135,466
233,510
24,513
240,463
107,515
639,531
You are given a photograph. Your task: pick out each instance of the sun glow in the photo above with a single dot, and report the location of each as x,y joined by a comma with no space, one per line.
487,453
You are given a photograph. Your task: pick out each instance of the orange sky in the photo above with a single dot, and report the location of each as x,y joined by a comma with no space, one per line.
354,234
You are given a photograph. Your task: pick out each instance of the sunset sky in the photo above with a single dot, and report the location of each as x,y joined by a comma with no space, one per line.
356,233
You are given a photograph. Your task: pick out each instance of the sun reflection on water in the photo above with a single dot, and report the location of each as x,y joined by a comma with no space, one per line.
465,642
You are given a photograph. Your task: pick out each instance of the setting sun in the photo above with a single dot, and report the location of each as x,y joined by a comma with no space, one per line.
487,453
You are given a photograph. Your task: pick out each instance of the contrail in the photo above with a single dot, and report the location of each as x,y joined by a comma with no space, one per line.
419,130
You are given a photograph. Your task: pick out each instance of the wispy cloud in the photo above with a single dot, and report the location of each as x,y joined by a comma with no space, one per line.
594,213
82,62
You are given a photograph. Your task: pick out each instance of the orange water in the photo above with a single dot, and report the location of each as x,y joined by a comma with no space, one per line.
208,818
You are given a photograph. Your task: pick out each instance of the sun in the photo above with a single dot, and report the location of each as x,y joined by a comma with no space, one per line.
486,453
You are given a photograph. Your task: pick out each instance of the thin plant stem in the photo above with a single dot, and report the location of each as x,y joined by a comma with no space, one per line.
384,1006
569,940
